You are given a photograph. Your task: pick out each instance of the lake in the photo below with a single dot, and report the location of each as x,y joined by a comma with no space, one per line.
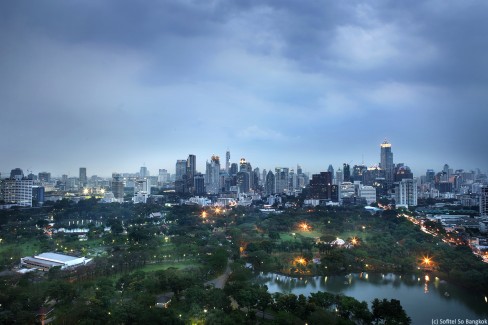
425,298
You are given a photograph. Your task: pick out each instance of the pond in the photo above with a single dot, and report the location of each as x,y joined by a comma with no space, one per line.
426,299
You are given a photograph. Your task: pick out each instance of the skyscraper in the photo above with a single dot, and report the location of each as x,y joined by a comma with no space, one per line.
406,192
281,180
180,169
270,183
484,202
118,186
387,162
213,175
227,161
143,172
346,172
83,178
191,169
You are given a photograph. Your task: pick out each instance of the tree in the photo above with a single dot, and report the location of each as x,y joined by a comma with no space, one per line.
389,312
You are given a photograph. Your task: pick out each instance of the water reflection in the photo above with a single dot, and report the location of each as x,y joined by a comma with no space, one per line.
415,293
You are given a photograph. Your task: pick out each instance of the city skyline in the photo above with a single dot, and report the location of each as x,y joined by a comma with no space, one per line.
115,85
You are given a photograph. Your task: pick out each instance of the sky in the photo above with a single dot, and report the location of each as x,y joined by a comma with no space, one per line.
116,85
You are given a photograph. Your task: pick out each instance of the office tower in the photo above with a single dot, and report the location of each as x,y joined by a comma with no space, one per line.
406,192
321,186
32,177
484,201
143,172
299,170
83,179
331,171
281,180
430,176
180,169
16,173
265,173
270,183
191,168
44,177
339,176
199,184
227,161
387,162
403,172
38,194
118,186
346,172
233,169
17,190
357,172
243,182
213,175
163,177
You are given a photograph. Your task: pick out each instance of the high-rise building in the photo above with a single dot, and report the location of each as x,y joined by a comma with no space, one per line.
227,161
83,179
430,176
191,169
270,183
17,190
163,177
357,172
16,173
213,175
321,186
331,171
180,169
44,177
403,172
339,176
484,202
38,194
386,163
243,182
118,186
406,192
233,169
346,172
281,180
143,172
199,184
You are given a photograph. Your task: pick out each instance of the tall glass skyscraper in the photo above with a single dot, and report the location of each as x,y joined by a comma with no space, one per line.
387,162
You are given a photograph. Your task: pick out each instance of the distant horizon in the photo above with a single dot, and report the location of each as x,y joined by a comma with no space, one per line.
154,171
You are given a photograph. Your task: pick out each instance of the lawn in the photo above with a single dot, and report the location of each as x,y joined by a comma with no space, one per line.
167,265
26,248
287,236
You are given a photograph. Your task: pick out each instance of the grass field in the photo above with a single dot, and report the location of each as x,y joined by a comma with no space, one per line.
30,247
287,236
167,265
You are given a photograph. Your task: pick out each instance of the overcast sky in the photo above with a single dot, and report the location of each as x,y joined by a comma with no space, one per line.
114,85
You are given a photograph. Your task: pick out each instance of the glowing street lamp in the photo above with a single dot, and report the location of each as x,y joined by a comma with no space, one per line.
304,226
354,241
204,214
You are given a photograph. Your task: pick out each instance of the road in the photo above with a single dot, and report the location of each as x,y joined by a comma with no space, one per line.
220,281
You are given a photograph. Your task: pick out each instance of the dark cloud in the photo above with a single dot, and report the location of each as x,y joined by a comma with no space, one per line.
113,84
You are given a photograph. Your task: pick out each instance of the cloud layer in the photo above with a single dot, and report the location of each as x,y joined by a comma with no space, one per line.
115,84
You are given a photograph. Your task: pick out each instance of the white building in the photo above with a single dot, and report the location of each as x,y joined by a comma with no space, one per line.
368,193
17,191
406,192
484,201
45,261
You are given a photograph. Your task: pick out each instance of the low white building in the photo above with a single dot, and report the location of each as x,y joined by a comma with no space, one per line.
368,193
46,261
